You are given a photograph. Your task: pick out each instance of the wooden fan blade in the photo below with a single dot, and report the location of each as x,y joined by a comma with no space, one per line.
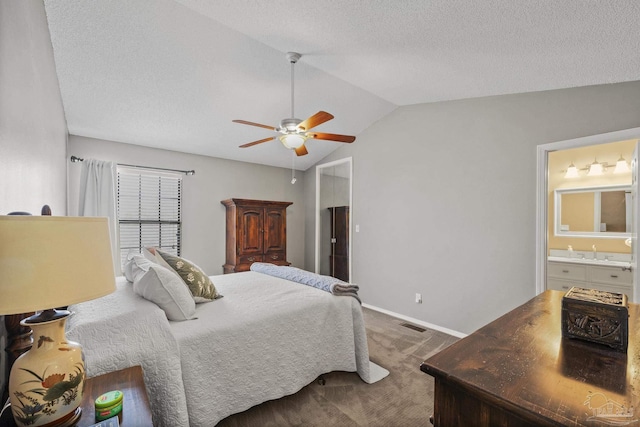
260,141
315,120
332,137
302,150
244,122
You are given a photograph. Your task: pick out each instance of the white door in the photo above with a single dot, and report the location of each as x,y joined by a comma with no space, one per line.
635,211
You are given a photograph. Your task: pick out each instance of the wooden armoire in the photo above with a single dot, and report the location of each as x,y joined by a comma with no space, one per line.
339,257
256,232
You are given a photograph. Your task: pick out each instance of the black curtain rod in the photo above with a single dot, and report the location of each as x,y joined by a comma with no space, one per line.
75,159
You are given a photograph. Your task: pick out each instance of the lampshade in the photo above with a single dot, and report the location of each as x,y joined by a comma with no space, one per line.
595,169
621,166
49,261
572,171
292,140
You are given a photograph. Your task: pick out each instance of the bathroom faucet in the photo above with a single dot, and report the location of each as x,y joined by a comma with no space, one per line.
595,252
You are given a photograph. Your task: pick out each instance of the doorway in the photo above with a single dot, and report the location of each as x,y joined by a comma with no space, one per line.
542,202
334,212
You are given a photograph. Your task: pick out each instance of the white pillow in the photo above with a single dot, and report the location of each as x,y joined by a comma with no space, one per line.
150,254
136,266
164,288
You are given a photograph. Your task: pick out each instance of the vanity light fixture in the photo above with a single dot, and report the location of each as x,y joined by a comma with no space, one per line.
598,168
595,169
621,166
572,171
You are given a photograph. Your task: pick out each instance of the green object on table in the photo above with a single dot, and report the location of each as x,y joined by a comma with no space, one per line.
109,404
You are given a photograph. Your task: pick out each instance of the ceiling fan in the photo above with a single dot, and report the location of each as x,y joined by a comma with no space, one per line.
295,132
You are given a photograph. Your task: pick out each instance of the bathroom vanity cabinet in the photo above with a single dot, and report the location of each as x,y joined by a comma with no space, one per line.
562,276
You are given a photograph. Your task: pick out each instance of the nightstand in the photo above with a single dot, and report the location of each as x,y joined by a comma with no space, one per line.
136,411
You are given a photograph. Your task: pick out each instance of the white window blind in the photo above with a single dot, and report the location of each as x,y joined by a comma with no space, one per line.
148,211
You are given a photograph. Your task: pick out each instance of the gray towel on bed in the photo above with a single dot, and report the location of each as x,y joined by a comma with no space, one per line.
325,283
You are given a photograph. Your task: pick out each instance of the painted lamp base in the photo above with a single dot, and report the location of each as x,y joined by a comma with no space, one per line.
47,382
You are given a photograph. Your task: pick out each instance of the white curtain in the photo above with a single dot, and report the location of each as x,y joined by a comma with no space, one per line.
98,198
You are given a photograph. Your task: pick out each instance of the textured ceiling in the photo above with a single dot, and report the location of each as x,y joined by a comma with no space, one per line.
173,73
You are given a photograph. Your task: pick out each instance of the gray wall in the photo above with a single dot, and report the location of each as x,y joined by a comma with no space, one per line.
445,195
33,130
203,238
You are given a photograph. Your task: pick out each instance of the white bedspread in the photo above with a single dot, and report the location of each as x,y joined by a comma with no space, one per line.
123,330
267,338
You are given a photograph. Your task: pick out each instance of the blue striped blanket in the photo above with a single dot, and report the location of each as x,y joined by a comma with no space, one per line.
325,283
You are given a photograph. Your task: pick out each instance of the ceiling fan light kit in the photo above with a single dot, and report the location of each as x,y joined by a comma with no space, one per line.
293,140
295,132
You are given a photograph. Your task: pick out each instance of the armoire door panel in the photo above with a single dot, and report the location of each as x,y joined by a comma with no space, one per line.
251,234
275,230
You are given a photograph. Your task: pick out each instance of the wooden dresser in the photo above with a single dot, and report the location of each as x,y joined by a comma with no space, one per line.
256,232
519,371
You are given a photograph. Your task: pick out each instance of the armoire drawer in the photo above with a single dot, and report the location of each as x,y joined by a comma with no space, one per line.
274,257
567,271
243,259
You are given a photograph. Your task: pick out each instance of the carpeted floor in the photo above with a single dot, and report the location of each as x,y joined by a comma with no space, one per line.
402,399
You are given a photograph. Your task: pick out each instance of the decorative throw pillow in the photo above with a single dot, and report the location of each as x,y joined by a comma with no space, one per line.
164,288
201,287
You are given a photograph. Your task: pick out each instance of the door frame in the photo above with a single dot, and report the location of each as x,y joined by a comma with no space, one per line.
542,205
348,160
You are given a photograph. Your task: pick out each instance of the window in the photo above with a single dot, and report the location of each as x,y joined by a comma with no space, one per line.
148,211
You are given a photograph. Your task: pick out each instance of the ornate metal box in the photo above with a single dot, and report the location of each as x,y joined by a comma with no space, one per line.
596,316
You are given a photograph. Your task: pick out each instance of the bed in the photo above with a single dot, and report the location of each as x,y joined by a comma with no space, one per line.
266,338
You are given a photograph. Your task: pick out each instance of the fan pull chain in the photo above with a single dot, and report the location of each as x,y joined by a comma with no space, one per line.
293,167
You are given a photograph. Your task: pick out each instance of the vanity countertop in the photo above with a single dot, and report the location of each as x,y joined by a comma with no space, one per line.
590,261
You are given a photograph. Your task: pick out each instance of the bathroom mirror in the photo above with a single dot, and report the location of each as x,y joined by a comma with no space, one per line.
603,212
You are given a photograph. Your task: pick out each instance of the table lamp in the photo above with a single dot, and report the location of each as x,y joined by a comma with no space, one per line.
48,262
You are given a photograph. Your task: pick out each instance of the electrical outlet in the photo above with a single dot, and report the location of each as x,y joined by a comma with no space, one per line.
418,298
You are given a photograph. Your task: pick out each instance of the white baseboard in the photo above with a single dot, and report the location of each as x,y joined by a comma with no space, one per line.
416,321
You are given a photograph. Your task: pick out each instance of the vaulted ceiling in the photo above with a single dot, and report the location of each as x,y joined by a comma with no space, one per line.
173,74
